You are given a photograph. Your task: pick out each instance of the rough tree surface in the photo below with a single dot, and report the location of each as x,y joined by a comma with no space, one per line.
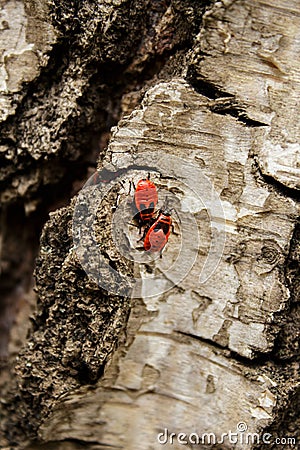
205,95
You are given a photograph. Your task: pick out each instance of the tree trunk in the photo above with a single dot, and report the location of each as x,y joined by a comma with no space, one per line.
127,349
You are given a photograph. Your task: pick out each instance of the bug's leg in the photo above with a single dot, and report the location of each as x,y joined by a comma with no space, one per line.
173,230
140,226
114,207
131,184
173,209
160,254
133,224
144,234
148,176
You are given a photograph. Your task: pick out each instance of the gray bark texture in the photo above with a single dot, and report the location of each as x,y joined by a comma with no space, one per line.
111,346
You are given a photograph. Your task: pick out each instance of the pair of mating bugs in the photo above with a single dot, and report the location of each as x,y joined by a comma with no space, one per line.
157,226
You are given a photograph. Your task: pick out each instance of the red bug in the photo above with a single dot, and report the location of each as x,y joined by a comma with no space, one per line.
158,234
145,198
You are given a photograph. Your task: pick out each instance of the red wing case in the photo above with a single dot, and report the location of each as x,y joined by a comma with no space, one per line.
145,198
158,234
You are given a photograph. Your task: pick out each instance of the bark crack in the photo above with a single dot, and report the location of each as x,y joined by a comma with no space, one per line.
223,102
279,187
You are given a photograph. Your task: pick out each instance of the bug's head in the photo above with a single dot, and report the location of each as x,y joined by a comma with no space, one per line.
166,211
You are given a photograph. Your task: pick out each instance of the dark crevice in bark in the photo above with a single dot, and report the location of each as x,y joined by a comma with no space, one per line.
259,360
19,249
273,183
240,114
205,87
20,233
226,103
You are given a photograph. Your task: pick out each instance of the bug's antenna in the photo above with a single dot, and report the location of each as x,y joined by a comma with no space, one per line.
173,209
166,203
